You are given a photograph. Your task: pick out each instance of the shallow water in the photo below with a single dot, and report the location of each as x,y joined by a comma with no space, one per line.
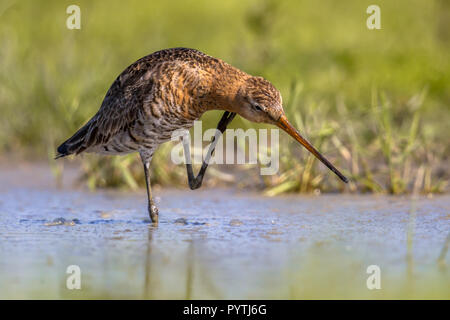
219,244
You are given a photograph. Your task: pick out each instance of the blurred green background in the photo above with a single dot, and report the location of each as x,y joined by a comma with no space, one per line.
376,102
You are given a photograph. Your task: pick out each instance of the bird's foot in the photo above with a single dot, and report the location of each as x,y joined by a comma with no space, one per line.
153,212
195,184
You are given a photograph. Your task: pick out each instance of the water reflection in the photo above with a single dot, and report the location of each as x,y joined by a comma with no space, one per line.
206,247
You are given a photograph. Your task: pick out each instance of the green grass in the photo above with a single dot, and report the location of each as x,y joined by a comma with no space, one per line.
375,102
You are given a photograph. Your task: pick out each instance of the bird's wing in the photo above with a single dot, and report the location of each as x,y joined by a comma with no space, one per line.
120,109
122,104
136,85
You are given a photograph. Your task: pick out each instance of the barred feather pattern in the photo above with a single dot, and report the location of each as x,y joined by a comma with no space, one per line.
159,93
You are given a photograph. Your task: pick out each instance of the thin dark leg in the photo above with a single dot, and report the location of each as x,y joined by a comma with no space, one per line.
152,209
196,182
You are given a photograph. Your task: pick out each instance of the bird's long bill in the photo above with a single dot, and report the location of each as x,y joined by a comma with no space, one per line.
284,124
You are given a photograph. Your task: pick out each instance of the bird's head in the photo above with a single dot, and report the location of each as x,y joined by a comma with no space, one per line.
259,101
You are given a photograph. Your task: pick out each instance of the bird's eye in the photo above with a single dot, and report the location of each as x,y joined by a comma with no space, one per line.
257,107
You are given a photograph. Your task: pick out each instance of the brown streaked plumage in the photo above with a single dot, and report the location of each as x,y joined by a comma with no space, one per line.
168,90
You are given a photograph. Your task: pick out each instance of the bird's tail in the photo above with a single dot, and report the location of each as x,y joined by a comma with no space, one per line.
75,144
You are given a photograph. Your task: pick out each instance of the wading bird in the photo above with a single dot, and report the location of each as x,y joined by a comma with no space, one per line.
168,90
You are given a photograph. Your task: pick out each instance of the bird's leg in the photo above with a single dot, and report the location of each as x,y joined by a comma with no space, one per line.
196,182
152,209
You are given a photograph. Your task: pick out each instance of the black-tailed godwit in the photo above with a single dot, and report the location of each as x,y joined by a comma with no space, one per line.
168,90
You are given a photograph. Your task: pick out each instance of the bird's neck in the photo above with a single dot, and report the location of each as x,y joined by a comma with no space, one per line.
225,86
